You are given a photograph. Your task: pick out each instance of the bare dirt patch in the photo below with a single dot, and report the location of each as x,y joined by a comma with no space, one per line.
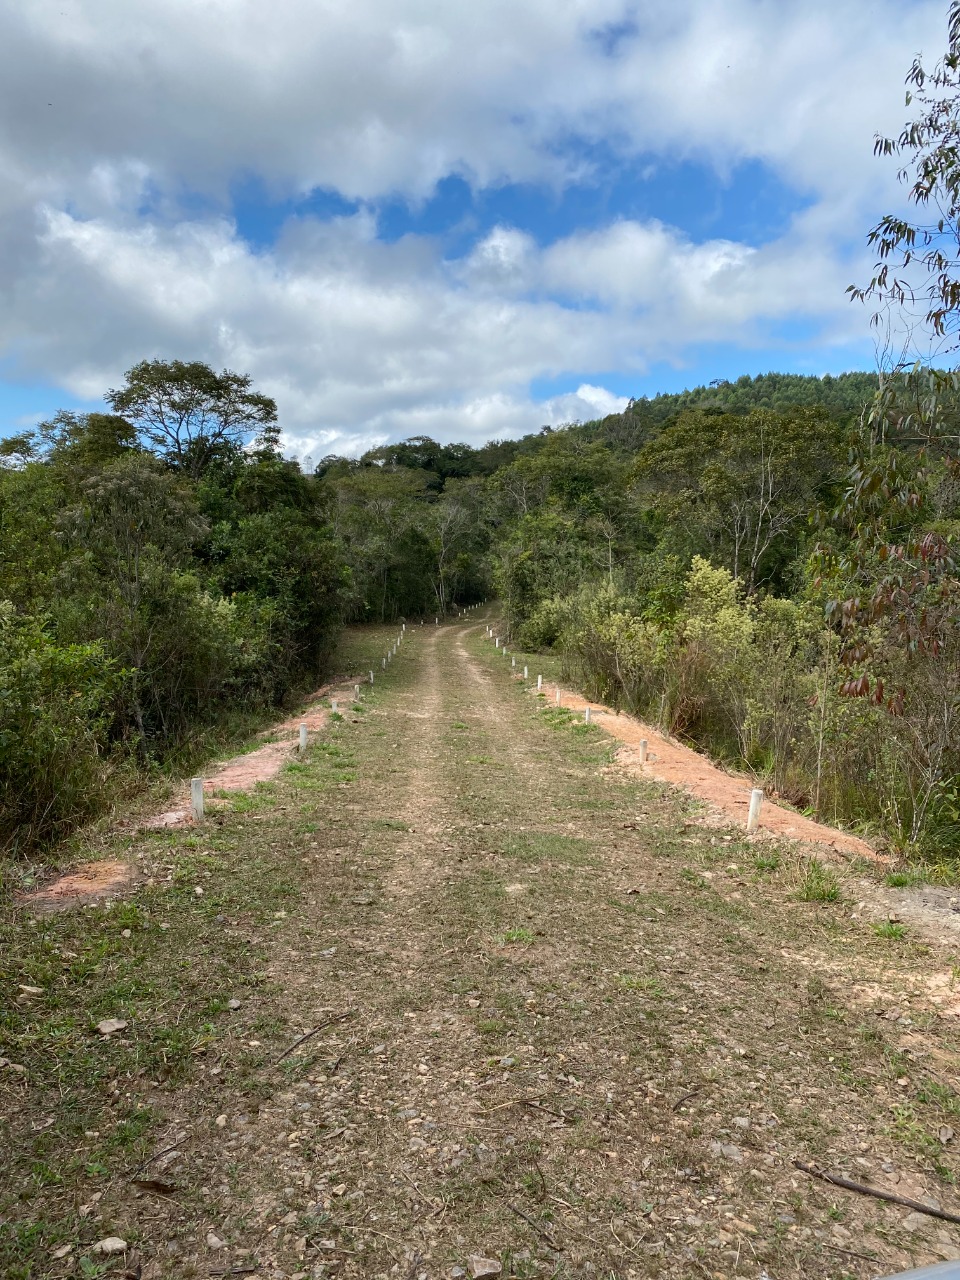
727,794
90,882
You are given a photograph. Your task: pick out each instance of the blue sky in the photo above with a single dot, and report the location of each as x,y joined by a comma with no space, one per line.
404,218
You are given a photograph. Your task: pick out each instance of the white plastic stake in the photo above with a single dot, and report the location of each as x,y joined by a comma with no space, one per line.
196,797
356,693
371,676
436,622
586,715
643,751
333,706
558,697
383,663
303,738
496,642
753,817
539,683
526,674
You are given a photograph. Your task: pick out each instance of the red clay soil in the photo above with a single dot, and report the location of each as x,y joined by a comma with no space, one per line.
90,882
94,881
728,794
243,772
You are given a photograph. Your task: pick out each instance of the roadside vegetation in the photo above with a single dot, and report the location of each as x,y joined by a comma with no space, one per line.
765,566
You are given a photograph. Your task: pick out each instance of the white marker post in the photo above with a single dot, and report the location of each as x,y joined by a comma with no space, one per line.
513,664
526,674
496,642
370,673
753,817
643,751
303,738
586,715
558,697
196,798
356,692
539,683
333,706
383,663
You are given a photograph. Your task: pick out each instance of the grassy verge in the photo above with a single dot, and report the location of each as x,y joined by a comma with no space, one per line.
183,966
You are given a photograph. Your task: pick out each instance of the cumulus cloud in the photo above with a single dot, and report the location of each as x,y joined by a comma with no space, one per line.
115,119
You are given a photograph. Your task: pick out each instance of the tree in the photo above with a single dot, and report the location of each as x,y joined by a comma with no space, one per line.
918,263
739,489
189,413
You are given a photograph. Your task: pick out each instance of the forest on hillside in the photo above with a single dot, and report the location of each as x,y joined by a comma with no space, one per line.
761,567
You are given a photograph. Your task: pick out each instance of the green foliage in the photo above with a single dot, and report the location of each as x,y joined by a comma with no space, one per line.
146,592
55,709
190,414
818,883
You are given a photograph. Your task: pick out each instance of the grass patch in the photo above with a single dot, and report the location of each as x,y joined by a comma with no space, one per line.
818,883
890,929
648,986
518,934
544,847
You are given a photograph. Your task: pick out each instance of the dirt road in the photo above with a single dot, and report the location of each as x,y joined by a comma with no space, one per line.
518,1006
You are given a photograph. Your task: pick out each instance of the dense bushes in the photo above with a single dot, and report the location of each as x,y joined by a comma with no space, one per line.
149,584
55,713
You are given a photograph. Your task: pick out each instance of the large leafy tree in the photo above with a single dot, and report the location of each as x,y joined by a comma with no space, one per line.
189,413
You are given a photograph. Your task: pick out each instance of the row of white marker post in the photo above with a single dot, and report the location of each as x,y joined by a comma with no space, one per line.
756,795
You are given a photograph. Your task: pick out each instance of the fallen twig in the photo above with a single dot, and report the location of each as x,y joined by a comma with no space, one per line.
308,1035
878,1193
538,1106
150,1159
545,1236
867,1257
235,1271
685,1098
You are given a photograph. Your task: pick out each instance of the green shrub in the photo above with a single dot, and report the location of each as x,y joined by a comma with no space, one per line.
56,705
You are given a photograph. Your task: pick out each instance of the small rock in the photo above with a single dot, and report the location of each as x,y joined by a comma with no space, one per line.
107,1028
457,1273
112,1244
362,899
915,1221
31,991
507,1062
945,1134
62,1251
480,1267
728,1151
741,1122
233,1004
126,933
214,1241
221,1122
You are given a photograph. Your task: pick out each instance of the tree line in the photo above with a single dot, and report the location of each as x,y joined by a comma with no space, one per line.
762,565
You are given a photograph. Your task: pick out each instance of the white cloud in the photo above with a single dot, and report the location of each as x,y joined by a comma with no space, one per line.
113,116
